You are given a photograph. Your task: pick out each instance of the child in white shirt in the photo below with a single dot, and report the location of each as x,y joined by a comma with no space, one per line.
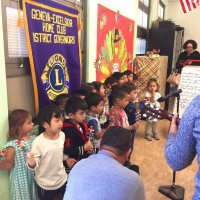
47,157
151,96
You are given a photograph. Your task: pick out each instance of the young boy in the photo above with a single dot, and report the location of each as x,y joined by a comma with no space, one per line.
61,100
121,100
95,107
130,109
129,74
77,145
109,82
120,77
46,156
117,113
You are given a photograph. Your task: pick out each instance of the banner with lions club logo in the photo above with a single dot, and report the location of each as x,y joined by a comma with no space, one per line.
54,50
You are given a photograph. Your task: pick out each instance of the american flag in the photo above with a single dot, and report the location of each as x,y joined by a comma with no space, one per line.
196,1
188,5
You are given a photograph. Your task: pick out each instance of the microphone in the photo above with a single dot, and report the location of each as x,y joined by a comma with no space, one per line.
173,94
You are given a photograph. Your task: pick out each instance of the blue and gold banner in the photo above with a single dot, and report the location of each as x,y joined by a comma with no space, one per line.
54,50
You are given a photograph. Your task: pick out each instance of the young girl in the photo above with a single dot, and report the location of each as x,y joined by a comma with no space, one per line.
19,144
151,96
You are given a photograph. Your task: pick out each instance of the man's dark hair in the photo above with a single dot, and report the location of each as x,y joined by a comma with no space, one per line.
194,44
47,112
93,99
129,87
74,104
118,93
117,138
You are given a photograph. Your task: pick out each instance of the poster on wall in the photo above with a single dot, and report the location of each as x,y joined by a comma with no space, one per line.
114,43
54,50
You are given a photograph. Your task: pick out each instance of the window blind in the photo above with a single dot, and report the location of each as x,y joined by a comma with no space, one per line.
16,36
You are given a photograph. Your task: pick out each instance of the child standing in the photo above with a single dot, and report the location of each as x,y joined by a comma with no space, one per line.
117,113
129,74
109,82
120,77
22,182
130,109
46,156
95,107
151,96
61,100
103,117
77,144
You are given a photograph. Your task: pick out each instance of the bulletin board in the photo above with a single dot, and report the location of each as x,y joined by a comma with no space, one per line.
190,85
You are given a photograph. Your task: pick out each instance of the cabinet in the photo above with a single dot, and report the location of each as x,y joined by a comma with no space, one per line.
168,37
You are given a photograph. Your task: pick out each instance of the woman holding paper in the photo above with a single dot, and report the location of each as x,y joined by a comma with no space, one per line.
189,54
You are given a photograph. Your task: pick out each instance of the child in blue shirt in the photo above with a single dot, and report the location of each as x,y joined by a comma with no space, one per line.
130,109
95,108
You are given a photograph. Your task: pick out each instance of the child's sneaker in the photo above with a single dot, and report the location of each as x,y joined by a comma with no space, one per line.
148,137
156,137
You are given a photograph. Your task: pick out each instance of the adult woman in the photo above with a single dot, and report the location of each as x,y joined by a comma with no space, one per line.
189,54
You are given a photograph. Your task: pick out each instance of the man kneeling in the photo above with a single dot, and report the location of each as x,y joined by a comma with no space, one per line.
102,176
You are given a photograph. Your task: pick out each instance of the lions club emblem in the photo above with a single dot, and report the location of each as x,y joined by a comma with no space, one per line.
55,76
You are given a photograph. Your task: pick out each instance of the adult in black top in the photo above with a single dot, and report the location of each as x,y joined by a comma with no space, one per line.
189,54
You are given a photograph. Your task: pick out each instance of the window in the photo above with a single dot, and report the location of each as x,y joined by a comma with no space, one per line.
15,35
142,19
161,10
145,2
142,29
16,55
141,46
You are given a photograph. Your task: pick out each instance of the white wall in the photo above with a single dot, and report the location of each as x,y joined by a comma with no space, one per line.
128,8
190,21
20,93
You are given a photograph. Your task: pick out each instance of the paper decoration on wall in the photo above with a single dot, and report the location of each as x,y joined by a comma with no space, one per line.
114,43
